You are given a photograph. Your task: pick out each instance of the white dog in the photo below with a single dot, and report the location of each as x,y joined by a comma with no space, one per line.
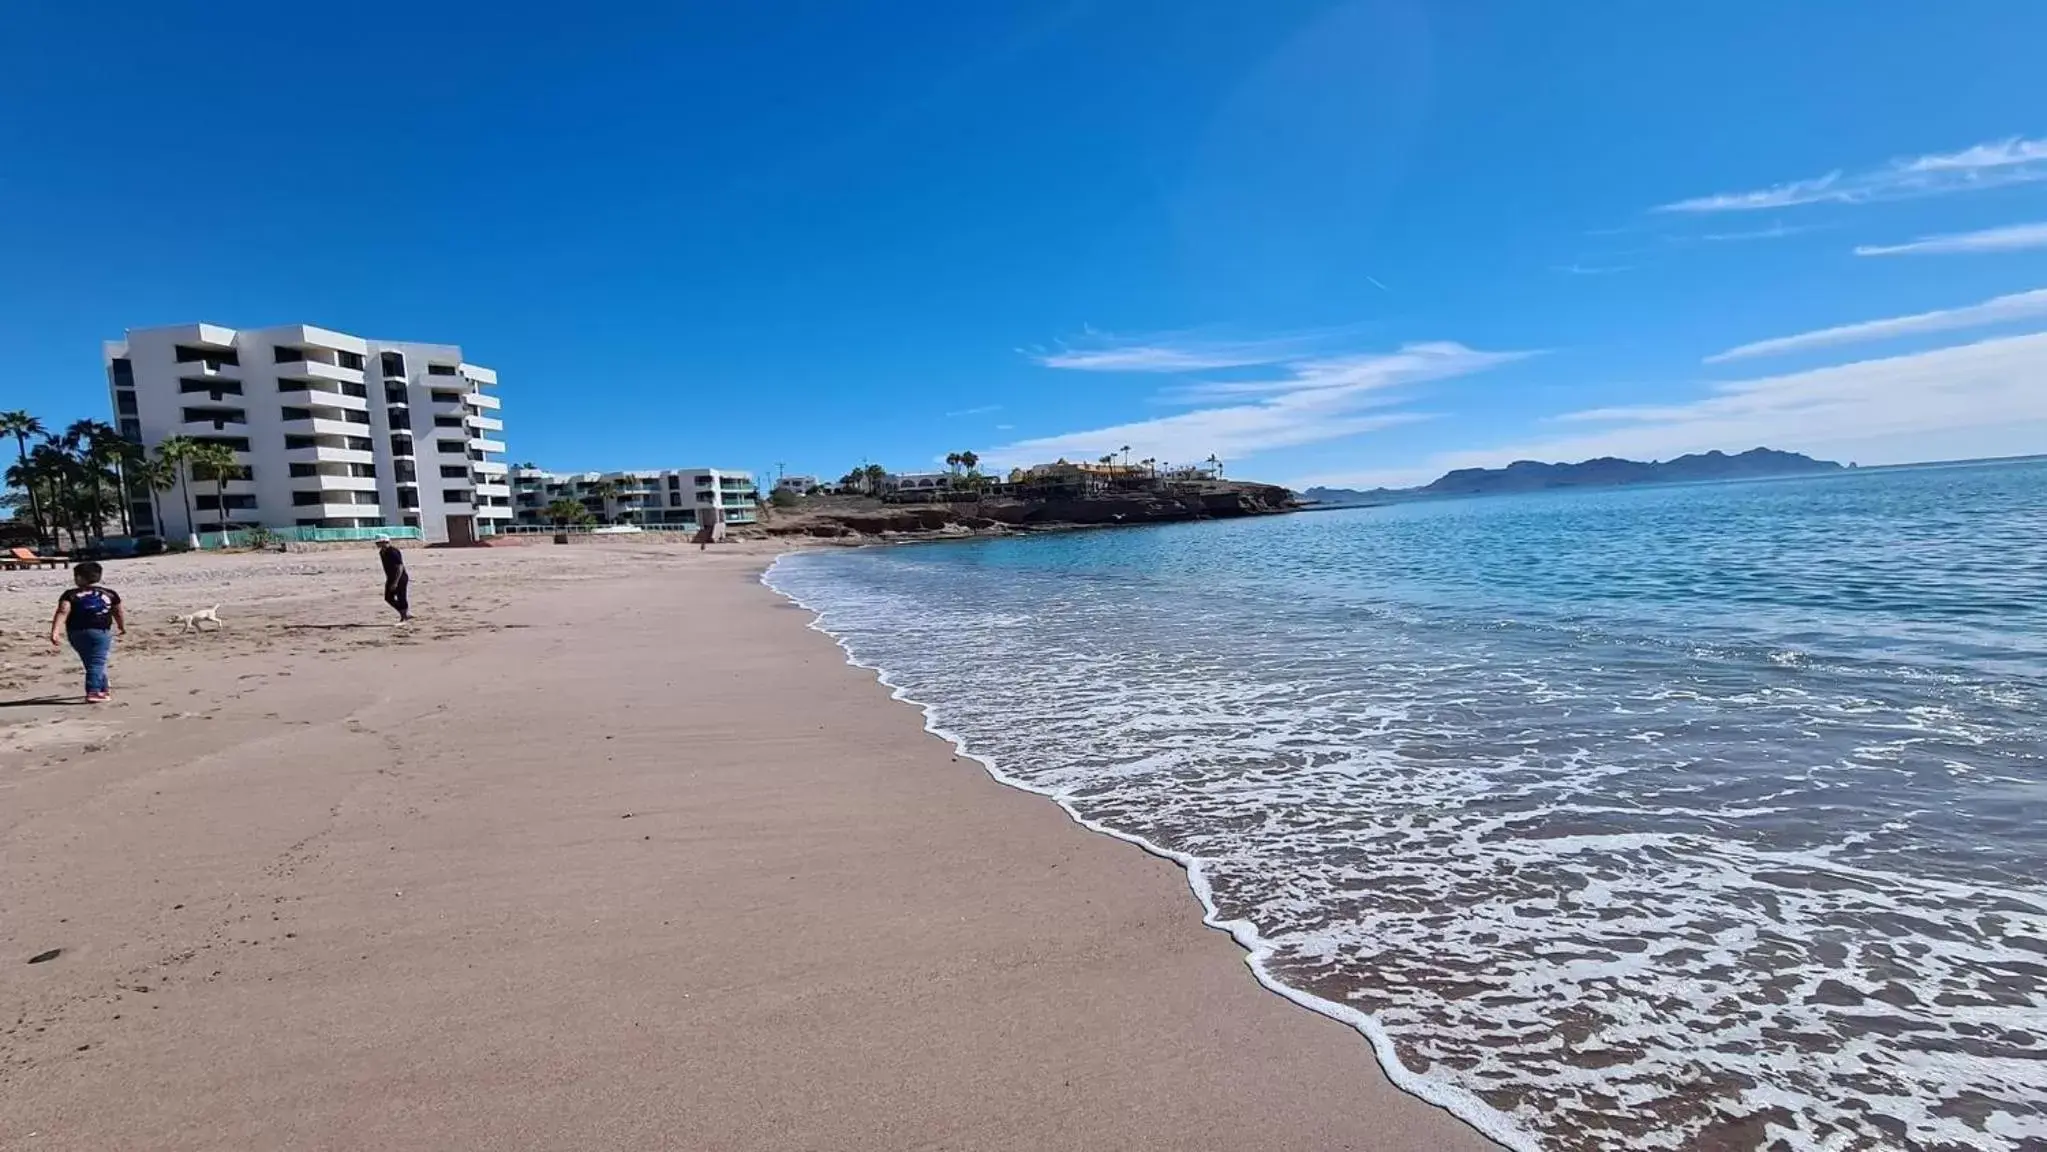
191,621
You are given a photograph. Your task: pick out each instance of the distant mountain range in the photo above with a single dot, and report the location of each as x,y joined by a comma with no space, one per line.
1605,472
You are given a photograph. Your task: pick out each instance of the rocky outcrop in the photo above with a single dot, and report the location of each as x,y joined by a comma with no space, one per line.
1212,501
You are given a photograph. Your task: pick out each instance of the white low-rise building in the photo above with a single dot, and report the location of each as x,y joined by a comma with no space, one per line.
330,430
796,482
652,498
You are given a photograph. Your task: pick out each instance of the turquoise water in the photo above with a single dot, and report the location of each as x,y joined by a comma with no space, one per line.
1691,817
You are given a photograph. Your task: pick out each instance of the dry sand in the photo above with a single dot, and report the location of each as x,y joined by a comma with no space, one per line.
608,851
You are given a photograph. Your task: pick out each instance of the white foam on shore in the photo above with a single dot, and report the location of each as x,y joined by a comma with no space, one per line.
1495,1124
1749,900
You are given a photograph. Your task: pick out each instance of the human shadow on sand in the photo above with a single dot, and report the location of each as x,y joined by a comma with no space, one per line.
43,701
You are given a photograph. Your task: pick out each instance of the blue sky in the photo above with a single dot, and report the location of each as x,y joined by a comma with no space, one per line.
1340,242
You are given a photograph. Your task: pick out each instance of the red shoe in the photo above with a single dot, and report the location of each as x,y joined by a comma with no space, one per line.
96,697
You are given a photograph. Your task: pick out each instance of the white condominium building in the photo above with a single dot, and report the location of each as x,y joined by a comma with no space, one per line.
331,430
658,498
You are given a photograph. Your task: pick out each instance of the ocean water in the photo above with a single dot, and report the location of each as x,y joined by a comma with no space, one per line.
1704,817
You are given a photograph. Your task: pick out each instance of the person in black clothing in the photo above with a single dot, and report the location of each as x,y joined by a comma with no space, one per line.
396,581
89,615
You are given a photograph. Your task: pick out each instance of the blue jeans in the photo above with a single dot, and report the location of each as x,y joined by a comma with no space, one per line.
93,646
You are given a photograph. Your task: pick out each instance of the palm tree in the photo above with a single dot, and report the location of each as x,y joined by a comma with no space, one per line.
606,491
158,475
176,451
98,447
952,461
875,475
1151,466
20,425
1109,459
52,465
216,462
563,510
970,460
1216,464
1126,455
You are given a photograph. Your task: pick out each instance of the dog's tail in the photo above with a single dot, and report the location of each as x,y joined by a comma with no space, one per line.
215,609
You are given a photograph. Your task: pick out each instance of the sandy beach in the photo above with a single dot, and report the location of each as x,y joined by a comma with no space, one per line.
609,850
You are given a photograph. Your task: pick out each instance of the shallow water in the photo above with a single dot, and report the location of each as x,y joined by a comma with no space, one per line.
1693,817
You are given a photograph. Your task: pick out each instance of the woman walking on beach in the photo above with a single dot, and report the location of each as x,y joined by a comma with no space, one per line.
397,582
89,615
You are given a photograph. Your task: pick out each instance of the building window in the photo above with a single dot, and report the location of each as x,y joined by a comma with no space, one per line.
359,391
411,521
401,446
453,471
349,360
408,498
405,471
123,371
304,498
212,357
232,443
447,421
450,447
236,502
454,495
393,363
298,470
357,443
124,403
298,413
131,430
213,388
440,370
290,355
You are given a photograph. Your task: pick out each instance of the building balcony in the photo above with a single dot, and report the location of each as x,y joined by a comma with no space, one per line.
337,511
306,394
480,400
209,369
214,426
492,512
327,483
484,423
491,467
320,454
500,491
318,370
483,445
325,426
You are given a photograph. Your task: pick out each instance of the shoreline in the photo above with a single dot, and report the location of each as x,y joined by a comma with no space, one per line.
600,854
1483,1118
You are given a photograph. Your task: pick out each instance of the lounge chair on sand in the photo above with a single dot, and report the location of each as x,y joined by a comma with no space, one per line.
24,558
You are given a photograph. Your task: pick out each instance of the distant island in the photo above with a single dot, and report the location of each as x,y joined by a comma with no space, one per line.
1605,472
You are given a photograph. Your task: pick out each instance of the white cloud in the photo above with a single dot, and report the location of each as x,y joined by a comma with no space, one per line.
2010,238
2009,161
1977,399
983,410
1316,399
1773,232
1592,269
1999,310
1171,354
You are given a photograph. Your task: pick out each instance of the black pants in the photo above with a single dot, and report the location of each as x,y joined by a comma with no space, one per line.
394,595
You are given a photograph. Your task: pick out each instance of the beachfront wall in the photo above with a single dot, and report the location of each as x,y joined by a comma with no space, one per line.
328,430
669,497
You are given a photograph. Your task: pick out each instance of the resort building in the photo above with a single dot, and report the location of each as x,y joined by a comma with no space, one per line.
796,482
330,431
908,482
658,498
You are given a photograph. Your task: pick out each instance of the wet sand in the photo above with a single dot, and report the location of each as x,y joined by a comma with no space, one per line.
609,850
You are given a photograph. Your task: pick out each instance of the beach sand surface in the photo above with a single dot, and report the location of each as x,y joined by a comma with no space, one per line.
609,850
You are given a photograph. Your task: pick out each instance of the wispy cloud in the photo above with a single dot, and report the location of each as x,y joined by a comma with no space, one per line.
1773,232
1308,400
1576,269
1171,352
2013,160
2011,238
1972,399
1998,310
983,410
